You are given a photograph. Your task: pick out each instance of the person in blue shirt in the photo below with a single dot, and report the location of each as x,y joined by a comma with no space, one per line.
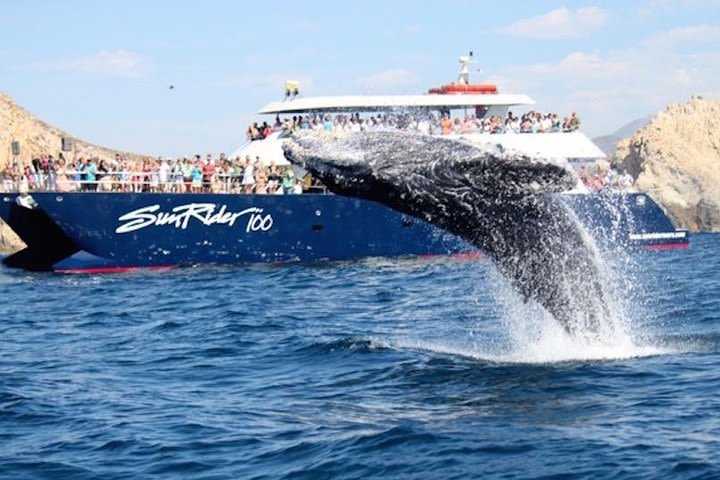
328,124
79,176
196,177
90,170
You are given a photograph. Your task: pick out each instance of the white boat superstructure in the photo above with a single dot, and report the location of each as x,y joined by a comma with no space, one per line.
478,101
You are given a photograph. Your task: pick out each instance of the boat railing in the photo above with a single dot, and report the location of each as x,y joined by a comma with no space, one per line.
149,182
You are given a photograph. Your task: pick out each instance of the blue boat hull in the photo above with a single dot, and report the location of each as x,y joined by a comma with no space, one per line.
98,231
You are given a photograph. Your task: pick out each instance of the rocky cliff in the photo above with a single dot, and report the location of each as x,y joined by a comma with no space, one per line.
9,242
35,138
676,159
608,143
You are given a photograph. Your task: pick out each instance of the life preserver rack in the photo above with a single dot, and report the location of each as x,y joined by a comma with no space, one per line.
456,88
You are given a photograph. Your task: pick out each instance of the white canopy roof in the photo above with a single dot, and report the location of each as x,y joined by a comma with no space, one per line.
268,150
569,145
358,103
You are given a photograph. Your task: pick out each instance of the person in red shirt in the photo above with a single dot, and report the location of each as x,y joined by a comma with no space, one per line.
208,170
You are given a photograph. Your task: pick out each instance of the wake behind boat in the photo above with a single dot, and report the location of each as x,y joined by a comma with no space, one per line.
129,220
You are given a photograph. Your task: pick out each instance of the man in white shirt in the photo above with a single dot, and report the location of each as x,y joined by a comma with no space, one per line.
626,180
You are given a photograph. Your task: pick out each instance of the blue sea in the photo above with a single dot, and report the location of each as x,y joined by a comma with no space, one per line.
406,368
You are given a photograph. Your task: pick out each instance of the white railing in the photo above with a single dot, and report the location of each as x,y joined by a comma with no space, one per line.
139,182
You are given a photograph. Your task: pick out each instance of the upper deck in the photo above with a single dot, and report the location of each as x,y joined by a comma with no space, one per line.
460,95
373,103
485,116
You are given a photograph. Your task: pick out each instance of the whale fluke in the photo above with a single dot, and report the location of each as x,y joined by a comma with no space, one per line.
501,202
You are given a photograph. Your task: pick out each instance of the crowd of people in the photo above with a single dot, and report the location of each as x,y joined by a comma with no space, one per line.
216,175
248,175
221,175
600,176
444,124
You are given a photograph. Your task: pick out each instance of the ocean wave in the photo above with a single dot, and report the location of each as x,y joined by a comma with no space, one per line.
373,369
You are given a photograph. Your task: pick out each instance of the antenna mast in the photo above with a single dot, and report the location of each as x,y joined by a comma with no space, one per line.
464,76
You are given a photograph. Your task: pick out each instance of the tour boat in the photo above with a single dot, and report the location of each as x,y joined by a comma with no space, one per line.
94,231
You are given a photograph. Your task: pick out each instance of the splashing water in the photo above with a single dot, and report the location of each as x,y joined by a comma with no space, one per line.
526,333
504,203
534,336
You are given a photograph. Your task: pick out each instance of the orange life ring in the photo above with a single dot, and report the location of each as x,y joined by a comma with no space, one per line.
455,88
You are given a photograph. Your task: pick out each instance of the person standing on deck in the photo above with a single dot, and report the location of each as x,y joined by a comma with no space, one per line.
90,179
248,175
446,125
288,180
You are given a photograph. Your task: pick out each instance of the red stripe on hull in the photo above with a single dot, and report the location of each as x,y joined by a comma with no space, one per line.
459,256
667,246
467,256
98,270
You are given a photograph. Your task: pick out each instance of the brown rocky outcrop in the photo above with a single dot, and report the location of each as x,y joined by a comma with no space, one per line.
676,159
36,138
9,241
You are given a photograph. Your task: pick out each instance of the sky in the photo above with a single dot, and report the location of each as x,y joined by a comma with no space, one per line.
102,70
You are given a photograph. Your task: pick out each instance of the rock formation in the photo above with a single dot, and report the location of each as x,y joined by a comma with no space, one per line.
608,143
35,138
9,241
676,159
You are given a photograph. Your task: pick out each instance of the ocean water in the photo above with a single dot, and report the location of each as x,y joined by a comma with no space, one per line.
408,368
